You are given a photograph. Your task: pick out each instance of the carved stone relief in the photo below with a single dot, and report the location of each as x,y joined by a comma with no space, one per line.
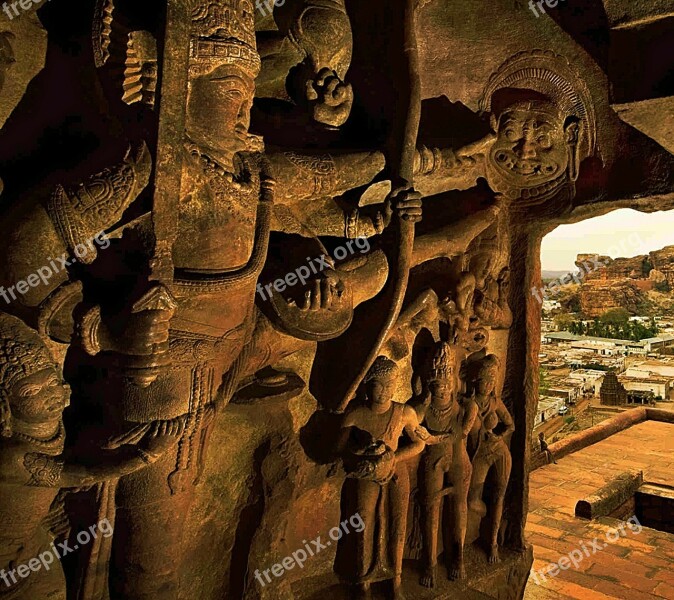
300,295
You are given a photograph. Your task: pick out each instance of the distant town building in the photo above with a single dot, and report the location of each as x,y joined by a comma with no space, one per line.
547,409
661,341
549,305
663,367
653,376
589,379
612,393
658,386
609,346
564,387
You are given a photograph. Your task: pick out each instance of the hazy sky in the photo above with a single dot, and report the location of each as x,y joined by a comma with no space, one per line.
623,232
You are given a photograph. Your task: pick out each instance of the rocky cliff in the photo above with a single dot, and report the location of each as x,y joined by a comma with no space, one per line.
596,296
622,282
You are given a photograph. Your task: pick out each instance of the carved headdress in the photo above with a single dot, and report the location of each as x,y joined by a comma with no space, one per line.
442,363
552,76
223,33
22,353
545,75
383,369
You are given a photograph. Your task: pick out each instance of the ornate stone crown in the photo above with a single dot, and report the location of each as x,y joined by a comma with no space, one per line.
223,33
22,353
442,363
552,75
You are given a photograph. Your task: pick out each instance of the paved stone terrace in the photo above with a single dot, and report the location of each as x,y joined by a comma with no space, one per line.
635,567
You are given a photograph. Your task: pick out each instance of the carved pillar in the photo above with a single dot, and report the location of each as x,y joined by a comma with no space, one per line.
520,393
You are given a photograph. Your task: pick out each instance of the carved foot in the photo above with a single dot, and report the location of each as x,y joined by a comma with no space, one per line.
398,589
494,555
428,577
361,592
456,570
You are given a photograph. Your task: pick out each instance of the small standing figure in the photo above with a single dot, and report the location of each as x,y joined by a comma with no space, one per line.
491,448
545,449
32,467
445,467
377,485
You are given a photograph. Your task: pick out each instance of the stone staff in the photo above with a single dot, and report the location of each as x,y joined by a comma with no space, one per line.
403,152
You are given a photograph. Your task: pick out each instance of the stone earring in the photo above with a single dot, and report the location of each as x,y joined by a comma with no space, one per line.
571,134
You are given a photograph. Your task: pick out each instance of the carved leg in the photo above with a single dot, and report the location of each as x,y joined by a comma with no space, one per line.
399,495
503,466
430,515
457,569
480,469
364,543
147,548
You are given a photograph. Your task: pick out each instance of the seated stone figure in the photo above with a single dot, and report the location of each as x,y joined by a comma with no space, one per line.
377,473
445,467
491,449
32,465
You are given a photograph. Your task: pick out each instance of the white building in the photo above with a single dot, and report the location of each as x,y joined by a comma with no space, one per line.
547,409
601,346
590,379
660,386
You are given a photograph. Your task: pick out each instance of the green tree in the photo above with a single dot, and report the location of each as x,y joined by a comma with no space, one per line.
615,316
563,322
543,381
663,287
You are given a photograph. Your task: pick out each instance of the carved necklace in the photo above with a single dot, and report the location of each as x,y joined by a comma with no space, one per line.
440,412
55,441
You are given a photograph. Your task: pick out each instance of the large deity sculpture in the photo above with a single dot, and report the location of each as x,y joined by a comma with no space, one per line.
445,467
32,466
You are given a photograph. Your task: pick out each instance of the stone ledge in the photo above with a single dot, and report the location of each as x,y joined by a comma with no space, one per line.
611,496
603,430
503,581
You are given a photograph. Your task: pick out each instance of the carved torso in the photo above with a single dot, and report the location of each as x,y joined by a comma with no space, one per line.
217,215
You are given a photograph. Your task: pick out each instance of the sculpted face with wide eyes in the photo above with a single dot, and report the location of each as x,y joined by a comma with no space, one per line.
39,397
532,144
